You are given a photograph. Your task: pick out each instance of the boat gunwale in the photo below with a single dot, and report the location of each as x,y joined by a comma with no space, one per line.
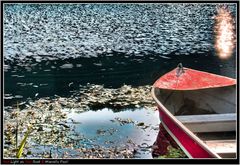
177,141
184,128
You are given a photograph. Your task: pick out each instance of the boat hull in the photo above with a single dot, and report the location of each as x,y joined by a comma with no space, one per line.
191,148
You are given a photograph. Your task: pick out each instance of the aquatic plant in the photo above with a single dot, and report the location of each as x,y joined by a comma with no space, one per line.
21,147
173,153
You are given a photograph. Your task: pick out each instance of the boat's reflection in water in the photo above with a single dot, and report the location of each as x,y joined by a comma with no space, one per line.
163,142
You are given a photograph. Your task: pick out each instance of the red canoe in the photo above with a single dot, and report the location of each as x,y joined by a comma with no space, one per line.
198,110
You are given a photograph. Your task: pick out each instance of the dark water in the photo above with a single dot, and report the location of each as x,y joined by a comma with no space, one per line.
52,49
60,77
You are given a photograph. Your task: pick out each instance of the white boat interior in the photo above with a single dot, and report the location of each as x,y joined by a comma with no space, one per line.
209,113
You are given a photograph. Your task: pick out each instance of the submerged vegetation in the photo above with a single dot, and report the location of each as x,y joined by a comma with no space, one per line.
50,128
96,97
174,153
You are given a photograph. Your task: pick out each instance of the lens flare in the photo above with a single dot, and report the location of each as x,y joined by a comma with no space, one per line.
224,33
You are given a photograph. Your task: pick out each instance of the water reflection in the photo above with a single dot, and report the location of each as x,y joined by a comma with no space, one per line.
103,128
225,32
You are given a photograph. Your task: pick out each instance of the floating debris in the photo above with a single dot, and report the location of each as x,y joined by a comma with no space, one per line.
96,97
51,127
124,121
66,66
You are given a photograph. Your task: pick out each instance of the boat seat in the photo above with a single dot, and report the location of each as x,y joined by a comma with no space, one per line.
209,122
224,148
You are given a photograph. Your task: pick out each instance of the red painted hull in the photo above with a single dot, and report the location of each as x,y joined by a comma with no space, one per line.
193,149
192,80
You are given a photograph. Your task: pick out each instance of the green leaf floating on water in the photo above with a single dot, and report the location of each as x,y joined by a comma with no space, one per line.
21,147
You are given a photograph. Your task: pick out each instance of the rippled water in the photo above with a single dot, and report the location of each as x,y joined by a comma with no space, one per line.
89,30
